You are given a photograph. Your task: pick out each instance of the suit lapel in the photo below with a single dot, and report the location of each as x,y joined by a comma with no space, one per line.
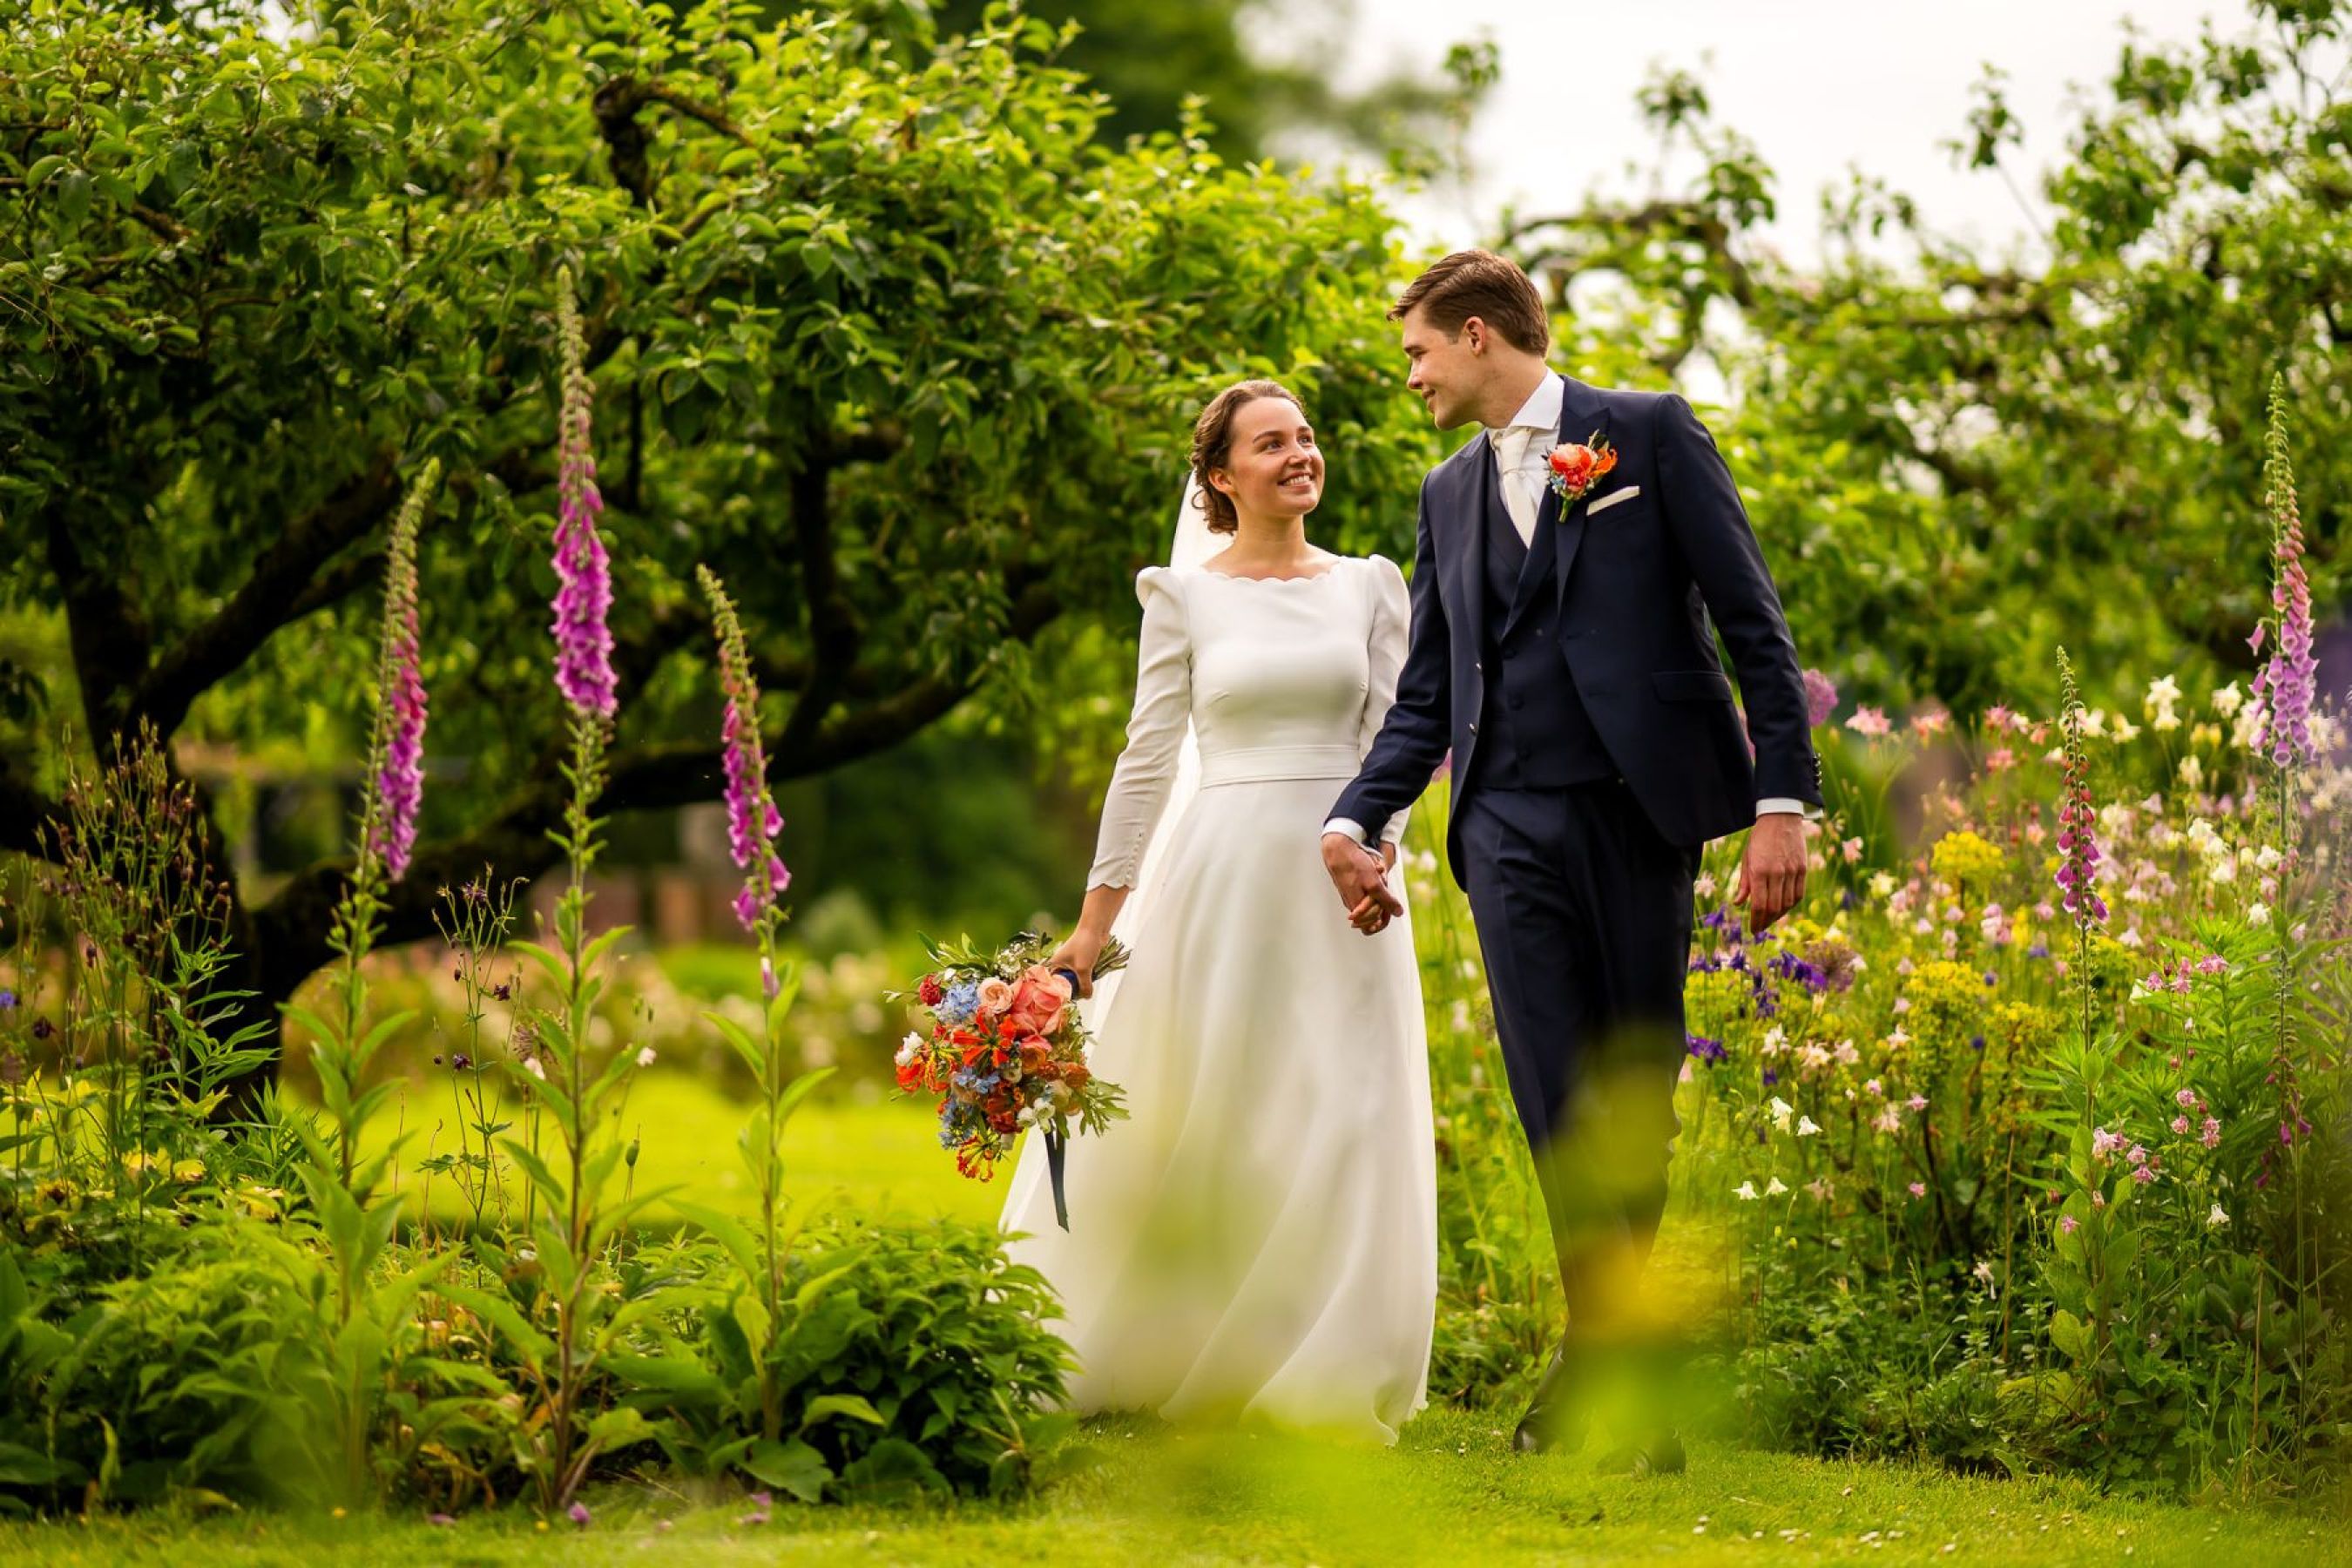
1583,418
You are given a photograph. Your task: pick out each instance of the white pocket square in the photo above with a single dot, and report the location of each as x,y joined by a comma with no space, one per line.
1612,498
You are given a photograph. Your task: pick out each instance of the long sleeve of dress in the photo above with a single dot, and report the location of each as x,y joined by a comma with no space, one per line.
1391,626
1145,771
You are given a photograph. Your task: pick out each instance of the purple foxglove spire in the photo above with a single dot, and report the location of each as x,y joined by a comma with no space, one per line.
2078,845
2286,683
398,753
584,597
752,819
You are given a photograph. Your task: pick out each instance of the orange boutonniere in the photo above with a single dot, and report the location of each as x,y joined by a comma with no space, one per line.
1577,467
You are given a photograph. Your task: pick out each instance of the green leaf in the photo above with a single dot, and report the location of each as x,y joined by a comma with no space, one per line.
827,1406
752,1319
730,1234
595,951
500,1314
551,963
790,1467
755,1055
2067,1333
677,1374
549,1189
618,1427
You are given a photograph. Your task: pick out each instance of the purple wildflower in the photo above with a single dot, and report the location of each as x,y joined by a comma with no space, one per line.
2078,847
1820,696
578,1515
752,819
2285,684
1702,1048
400,718
7,999
584,645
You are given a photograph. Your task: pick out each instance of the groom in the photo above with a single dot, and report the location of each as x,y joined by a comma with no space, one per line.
1564,649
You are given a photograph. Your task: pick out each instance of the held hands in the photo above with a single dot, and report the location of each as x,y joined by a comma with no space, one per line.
1772,871
1078,954
1361,878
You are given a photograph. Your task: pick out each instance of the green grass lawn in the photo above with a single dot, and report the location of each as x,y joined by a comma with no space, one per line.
1451,1493
875,1155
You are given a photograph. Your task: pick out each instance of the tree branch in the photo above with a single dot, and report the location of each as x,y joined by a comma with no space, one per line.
269,599
107,639
292,927
616,104
25,815
832,624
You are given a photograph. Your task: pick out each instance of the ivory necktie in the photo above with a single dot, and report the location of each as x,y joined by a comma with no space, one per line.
1521,496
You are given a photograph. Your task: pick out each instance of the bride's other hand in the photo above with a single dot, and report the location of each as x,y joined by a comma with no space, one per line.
1077,954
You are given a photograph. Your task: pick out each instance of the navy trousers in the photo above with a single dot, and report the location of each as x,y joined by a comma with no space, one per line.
1584,918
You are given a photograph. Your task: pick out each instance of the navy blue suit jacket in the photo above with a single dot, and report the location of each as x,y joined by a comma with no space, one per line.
1642,590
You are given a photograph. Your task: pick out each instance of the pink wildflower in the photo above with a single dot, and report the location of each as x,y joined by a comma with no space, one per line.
1869,722
1820,696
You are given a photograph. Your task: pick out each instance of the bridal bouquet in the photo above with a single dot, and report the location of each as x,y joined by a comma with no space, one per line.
1006,1050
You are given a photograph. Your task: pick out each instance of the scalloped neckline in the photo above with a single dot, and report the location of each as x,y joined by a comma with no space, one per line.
1330,571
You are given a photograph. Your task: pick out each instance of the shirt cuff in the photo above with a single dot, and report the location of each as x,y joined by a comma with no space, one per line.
1352,829
1773,804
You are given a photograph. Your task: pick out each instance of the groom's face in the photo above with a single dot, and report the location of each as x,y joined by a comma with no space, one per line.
1445,370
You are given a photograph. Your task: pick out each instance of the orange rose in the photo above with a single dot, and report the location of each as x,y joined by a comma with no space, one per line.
1038,998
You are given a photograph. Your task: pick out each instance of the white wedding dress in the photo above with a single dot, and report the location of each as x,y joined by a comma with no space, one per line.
1258,1242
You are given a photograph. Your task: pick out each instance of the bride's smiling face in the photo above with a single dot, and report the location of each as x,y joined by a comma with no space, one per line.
1273,466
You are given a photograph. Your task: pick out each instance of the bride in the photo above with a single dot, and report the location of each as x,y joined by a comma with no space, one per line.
1258,1241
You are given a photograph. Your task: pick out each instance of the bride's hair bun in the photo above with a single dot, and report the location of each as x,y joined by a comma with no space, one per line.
1212,439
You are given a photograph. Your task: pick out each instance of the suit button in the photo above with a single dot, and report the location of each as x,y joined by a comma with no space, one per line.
1474,726
1477,668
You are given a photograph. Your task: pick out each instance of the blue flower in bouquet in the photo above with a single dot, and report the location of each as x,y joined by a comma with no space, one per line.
960,1004
973,1080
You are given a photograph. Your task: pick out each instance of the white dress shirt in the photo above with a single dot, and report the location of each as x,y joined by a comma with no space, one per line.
1522,449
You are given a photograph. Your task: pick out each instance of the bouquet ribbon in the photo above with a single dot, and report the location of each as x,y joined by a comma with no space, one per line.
1057,1144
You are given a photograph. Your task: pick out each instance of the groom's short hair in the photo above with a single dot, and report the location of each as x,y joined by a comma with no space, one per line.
1482,284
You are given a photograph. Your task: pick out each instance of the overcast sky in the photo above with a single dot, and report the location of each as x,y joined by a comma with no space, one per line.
1822,86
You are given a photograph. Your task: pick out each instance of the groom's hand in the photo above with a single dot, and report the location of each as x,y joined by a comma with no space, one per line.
1772,871
1361,878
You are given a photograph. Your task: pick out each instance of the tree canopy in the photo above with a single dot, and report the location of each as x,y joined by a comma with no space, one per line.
1960,459
898,345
